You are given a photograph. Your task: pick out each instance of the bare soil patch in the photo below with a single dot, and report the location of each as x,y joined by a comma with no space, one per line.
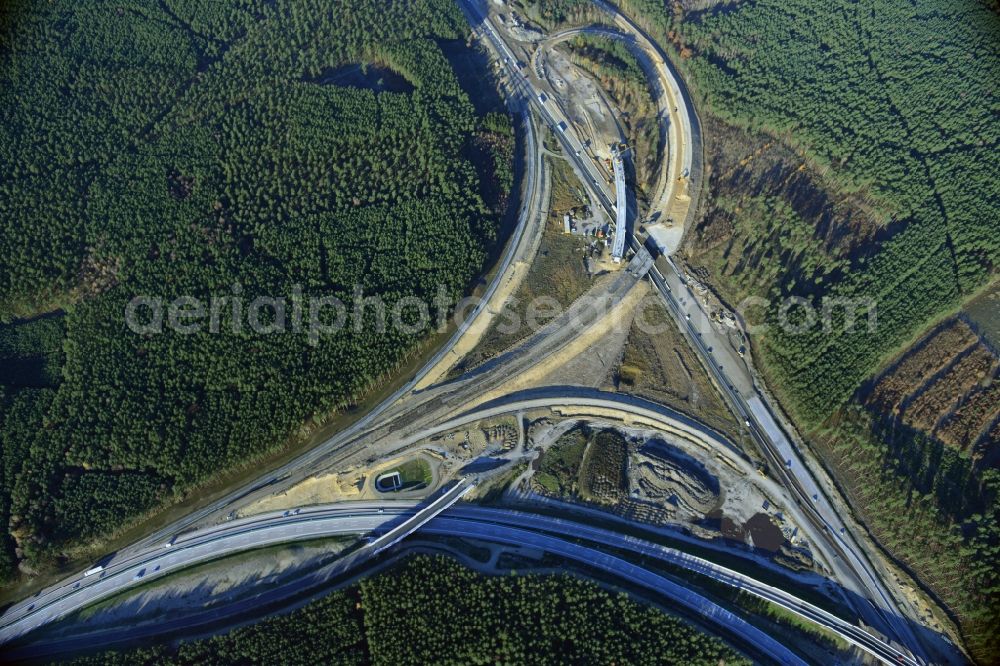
661,367
947,386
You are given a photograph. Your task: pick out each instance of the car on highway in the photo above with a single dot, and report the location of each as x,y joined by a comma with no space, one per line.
139,574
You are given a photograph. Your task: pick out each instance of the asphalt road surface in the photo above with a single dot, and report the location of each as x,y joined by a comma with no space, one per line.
539,532
153,557
844,554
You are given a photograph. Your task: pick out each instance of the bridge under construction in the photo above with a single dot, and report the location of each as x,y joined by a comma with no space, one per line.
621,207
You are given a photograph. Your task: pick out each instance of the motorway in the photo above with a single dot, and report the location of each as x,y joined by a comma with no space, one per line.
575,148
338,446
413,413
665,418
543,533
276,527
844,554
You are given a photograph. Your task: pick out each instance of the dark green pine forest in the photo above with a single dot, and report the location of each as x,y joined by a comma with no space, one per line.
894,106
195,148
852,156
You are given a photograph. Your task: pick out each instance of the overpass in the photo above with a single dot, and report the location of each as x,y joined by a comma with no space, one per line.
844,553
194,546
302,524
209,543
569,539
421,517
